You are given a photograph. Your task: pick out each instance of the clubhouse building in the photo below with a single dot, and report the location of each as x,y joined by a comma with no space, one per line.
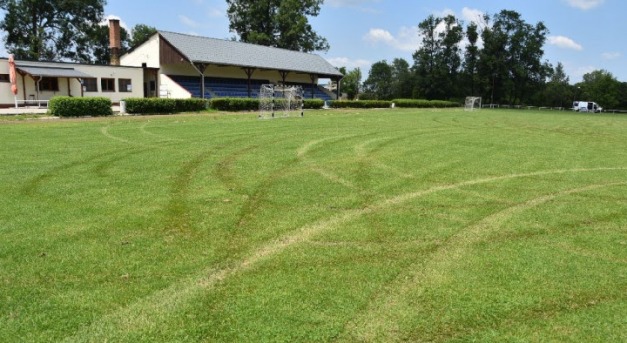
169,65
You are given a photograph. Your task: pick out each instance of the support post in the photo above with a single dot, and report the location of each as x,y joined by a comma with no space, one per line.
313,84
249,74
200,68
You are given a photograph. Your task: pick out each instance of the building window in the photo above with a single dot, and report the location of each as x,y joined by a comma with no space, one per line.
90,84
49,84
4,78
125,85
107,85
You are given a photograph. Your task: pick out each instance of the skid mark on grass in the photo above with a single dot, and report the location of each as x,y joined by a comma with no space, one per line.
594,254
101,169
147,313
177,212
381,320
142,129
301,153
31,186
225,169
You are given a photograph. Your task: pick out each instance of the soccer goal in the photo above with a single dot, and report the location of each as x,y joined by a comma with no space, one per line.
472,103
280,101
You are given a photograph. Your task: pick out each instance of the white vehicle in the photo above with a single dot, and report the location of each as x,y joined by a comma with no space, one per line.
586,106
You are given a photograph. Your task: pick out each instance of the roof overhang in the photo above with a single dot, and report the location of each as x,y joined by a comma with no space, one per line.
53,72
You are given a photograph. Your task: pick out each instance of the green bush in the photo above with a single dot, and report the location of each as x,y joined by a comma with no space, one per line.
164,106
313,104
235,104
421,103
361,104
65,106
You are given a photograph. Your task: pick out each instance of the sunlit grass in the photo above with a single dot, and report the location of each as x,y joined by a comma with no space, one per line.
354,225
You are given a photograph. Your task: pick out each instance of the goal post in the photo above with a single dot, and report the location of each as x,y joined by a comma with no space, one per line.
473,103
276,101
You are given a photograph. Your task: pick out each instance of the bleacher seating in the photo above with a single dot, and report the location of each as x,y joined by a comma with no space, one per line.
236,88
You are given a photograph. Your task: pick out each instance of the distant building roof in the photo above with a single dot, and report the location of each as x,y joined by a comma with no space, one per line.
52,72
230,53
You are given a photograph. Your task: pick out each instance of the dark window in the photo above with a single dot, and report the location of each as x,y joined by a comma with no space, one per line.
4,78
107,85
49,84
125,85
90,85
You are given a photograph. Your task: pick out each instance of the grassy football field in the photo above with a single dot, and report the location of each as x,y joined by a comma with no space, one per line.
342,226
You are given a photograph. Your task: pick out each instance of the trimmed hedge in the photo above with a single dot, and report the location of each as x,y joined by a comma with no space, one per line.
419,103
361,104
65,106
313,104
235,104
164,106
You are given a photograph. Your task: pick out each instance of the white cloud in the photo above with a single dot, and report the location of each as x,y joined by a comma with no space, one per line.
474,15
585,4
187,21
349,63
215,13
406,40
564,43
611,55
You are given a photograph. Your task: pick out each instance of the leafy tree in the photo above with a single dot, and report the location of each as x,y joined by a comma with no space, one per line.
510,63
378,86
558,91
601,87
278,23
51,29
437,62
350,82
471,59
140,33
402,84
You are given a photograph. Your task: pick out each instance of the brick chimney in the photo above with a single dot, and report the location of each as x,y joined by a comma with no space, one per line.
114,41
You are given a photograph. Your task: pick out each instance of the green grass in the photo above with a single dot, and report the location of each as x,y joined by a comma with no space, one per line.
343,226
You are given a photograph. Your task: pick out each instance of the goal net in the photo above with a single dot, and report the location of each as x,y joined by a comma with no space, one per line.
280,101
472,103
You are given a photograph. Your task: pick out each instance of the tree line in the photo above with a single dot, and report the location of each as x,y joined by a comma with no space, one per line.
63,30
507,68
500,59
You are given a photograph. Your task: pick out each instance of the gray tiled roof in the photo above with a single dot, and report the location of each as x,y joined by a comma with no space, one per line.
52,72
225,52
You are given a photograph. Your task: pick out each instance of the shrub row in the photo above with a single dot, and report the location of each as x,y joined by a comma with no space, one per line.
164,106
360,104
252,104
65,106
419,103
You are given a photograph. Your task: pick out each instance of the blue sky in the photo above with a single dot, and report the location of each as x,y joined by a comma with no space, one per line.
585,35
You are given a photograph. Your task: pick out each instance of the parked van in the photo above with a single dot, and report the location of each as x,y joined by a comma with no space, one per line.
586,106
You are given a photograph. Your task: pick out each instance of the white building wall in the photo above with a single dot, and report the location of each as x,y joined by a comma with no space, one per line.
147,53
115,72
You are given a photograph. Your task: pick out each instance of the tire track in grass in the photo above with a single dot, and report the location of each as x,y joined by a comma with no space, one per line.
302,152
147,313
380,322
31,186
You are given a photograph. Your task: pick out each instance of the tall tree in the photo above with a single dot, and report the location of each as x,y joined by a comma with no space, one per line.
278,23
601,87
471,59
558,90
510,63
402,85
51,29
437,63
140,33
379,83
351,82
